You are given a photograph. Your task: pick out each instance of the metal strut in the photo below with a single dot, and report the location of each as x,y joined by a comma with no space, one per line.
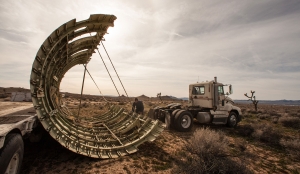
79,106
81,89
96,84
104,64
114,68
108,71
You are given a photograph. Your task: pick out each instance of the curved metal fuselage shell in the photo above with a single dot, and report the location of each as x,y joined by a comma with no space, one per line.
111,135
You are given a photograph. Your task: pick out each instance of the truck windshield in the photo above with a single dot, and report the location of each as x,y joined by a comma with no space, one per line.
220,89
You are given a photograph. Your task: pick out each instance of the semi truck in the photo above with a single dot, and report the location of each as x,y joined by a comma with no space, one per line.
207,103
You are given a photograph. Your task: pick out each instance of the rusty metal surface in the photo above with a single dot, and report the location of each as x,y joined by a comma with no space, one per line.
111,135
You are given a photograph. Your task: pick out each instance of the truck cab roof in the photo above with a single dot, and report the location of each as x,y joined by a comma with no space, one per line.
205,83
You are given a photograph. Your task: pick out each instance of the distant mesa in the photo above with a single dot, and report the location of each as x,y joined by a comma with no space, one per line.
165,98
143,98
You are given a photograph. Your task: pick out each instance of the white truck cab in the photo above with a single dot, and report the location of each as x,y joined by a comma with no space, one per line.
208,103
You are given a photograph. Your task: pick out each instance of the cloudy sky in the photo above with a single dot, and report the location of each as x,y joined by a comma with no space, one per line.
163,46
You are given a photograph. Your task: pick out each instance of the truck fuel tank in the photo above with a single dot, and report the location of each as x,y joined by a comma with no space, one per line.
203,117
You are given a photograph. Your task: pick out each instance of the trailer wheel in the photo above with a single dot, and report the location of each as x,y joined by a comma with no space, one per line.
11,154
183,121
232,120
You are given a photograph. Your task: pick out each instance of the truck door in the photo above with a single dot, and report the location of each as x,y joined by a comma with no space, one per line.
201,96
220,114
221,97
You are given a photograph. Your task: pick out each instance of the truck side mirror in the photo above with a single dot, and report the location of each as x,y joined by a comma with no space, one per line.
230,89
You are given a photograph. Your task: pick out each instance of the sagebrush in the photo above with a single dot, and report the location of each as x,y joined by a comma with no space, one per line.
208,153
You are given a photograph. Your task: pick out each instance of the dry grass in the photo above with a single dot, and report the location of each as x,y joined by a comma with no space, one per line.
257,145
263,132
267,134
292,146
290,121
207,152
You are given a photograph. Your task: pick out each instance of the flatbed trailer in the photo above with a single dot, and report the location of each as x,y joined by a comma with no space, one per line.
13,129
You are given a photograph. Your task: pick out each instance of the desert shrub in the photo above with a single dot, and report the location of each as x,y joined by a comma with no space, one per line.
294,114
3,95
252,112
208,154
292,146
7,99
263,116
275,119
259,112
245,130
206,141
121,103
85,105
267,134
263,111
293,122
150,104
274,113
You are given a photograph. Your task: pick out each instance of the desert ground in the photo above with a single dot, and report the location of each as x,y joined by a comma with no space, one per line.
266,141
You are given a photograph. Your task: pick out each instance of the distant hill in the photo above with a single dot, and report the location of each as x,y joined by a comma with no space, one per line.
272,102
9,90
184,98
143,97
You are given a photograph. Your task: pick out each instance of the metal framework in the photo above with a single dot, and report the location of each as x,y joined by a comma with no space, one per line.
111,135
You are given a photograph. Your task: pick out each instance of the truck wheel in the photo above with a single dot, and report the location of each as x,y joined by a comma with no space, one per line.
232,120
173,118
183,121
168,120
11,154
175,112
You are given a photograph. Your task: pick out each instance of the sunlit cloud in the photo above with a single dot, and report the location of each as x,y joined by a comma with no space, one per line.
163,46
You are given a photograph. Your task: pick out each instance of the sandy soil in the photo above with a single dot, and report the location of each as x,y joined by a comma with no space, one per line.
11,107
166,152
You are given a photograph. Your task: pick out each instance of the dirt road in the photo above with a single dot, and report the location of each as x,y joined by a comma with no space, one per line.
23,108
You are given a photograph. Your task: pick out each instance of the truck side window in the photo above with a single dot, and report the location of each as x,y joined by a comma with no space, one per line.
220,89
198,90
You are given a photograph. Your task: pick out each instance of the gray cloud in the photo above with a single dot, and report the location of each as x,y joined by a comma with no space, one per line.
163,46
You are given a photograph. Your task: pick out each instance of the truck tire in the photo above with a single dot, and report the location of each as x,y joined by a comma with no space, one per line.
11,154
173,118
232,120
175,112
168,120
183,121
